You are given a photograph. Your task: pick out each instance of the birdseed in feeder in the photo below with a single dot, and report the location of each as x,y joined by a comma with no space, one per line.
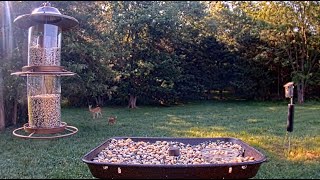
44,111
44,56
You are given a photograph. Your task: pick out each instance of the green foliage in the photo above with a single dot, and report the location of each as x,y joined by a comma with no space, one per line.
250,56
85,52
147,59
13,51
294,25
169,52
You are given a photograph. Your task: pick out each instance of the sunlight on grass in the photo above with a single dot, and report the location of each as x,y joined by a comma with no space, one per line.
250,120
303,155
314,108
304,149
308,107
176,120
273,108
260,125
308,149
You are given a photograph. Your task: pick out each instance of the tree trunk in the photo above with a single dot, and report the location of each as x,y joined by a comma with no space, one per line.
220,94
132,101
22,113
99,101
2,115
278,88
15,112
300,92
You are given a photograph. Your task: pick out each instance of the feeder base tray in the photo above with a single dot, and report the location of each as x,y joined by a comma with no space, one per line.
45,133
53,130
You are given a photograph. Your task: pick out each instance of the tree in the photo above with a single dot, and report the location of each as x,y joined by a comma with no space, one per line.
14,86
295,25
5,53
2,114
249,63
85,51
145,35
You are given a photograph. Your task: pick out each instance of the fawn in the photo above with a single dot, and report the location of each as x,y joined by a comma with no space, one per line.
112,120
96,112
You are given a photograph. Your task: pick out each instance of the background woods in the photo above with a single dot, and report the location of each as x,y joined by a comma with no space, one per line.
163,52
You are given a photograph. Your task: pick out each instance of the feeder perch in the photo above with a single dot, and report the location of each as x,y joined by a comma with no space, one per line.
43,72
174,151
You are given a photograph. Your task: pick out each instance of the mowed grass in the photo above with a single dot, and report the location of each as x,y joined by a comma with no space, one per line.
262,125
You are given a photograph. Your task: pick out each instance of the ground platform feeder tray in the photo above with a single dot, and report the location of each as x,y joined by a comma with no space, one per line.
173,158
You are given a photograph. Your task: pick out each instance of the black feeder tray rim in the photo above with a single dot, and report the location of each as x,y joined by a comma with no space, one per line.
241,170
85,159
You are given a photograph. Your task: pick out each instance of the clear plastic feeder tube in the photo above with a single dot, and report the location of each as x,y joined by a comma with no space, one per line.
44,47
44,108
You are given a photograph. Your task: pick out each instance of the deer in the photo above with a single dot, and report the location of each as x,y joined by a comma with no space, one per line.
112,120
96,112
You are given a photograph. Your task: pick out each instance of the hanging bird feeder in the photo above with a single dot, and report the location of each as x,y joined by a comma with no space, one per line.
45,26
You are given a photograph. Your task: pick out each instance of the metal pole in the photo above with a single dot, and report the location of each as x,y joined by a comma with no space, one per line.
290,117
289,94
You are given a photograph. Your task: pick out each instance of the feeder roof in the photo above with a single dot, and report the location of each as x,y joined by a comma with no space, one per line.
288,84
46,15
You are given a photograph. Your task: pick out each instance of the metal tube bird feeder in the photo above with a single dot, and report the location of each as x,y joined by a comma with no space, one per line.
45,26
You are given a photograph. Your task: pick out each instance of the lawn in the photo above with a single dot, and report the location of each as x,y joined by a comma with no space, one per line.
262,125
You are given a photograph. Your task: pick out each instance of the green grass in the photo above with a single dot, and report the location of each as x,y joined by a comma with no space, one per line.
262,125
